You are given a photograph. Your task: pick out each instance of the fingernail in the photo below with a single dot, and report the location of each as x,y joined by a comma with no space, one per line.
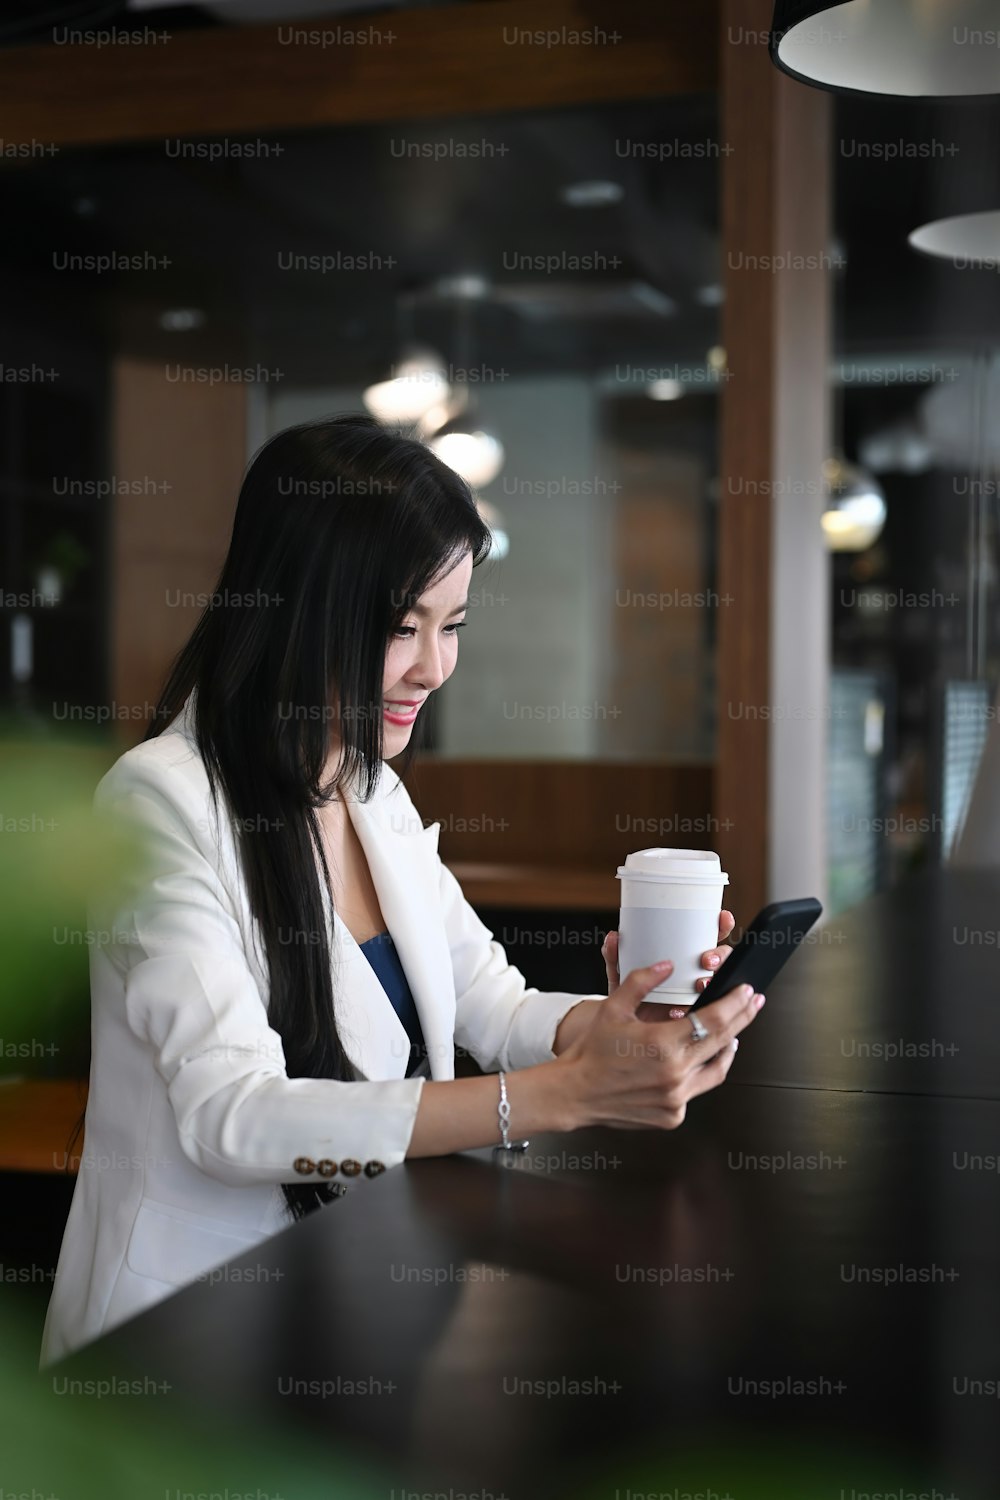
713,961
760,1001
665,963
746,991
736,1043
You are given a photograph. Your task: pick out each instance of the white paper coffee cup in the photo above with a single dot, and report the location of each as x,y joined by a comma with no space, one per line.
670,905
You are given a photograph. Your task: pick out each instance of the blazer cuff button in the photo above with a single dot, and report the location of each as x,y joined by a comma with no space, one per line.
304,1165
373,1168
350,1168
326,1167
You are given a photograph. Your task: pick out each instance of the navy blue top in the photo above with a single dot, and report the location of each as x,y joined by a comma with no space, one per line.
381,953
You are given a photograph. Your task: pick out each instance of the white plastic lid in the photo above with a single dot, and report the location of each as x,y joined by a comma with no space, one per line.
678,866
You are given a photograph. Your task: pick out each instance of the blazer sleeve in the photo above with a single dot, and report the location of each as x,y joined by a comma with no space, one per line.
191,997
498,1019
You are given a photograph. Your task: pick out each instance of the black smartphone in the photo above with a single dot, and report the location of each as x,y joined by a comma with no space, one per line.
766,945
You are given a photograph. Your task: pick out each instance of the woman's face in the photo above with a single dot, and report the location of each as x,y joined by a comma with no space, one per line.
423,653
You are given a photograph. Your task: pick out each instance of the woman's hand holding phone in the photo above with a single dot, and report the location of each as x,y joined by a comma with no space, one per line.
578,1021
631,1075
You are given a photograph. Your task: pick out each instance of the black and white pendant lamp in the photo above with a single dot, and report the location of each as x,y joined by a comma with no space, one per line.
971,242
918,48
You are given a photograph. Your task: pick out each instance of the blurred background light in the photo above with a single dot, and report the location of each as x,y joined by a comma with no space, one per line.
595,194
419,384
665,390
181,319
471,451
855,510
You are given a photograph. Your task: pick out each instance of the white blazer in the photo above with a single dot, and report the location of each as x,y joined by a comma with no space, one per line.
192,1122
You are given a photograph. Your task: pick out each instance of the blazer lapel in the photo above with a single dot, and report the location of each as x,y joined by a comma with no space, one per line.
402,858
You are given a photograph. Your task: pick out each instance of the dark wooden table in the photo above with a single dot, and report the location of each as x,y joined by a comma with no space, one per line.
798,1293
901,995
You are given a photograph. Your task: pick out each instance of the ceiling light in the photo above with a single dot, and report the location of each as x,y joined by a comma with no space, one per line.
595,194
475,454
652,298
418,383
469,286
901,448
918,48
434,418
461,442
181,319
22,647
969,241
665,390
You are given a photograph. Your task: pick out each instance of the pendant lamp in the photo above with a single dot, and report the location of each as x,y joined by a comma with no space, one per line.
919,48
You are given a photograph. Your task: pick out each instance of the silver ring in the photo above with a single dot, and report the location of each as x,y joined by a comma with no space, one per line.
698,1031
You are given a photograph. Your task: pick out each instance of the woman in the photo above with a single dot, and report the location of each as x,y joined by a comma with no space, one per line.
277,997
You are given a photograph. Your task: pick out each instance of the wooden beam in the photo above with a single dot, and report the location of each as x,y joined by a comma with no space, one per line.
587,814
551,833
467,59
537,887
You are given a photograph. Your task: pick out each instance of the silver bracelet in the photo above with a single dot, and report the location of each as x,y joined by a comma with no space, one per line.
503,1113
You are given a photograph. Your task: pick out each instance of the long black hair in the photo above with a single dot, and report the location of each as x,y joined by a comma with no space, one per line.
340,526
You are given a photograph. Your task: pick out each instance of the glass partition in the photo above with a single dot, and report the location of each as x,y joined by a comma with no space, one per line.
917,392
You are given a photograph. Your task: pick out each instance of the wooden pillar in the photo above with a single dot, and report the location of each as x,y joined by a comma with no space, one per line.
773,660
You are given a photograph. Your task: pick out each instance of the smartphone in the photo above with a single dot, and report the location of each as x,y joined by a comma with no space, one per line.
762,951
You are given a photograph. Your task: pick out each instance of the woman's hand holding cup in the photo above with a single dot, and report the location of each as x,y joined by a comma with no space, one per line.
712,959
